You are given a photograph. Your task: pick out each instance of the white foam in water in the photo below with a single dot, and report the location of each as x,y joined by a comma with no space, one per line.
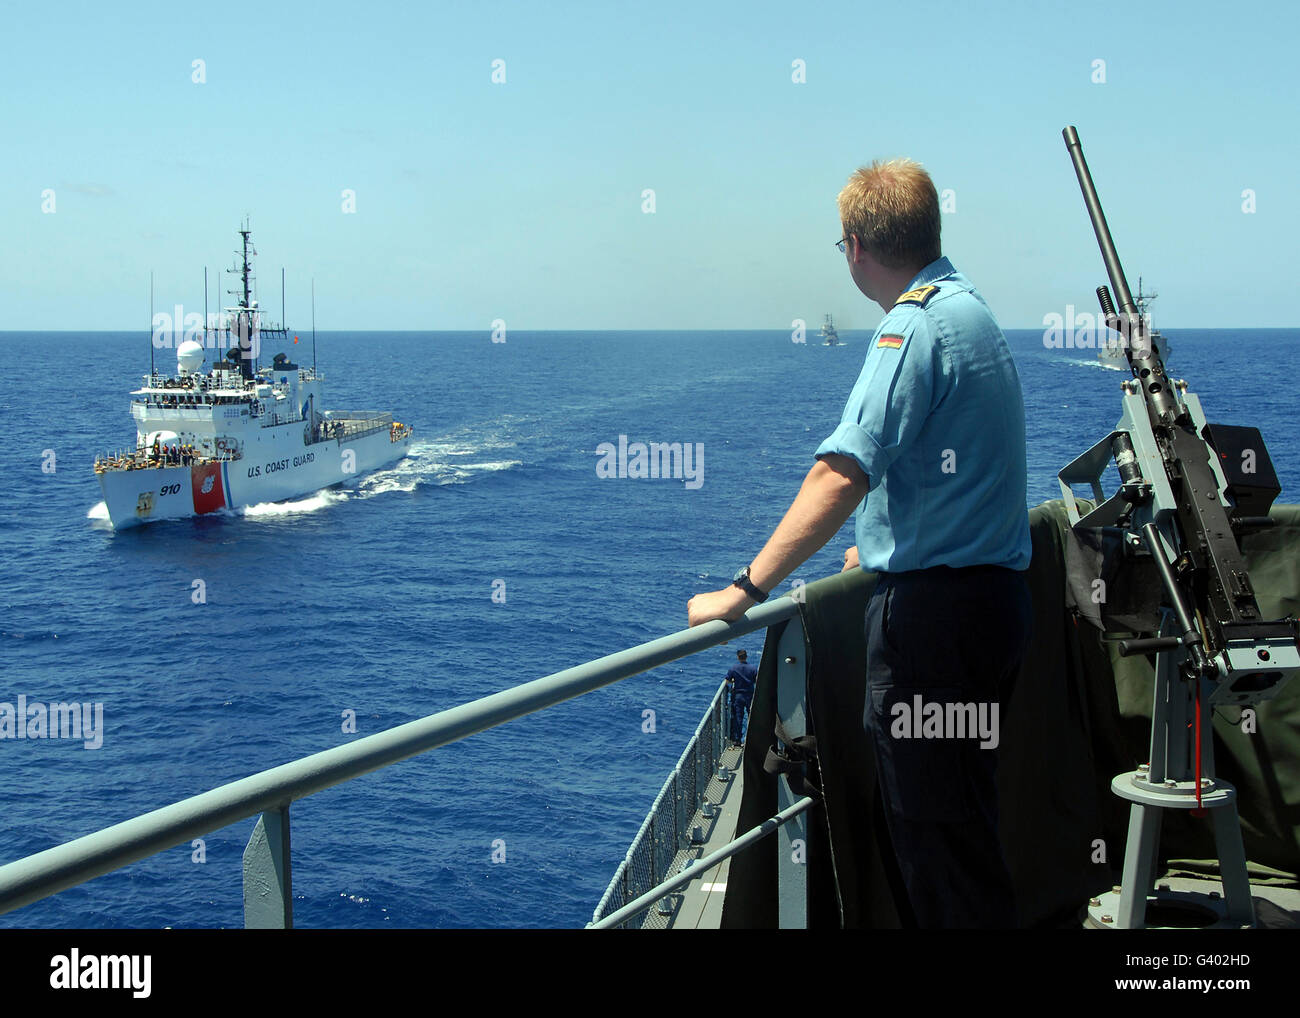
458,473
450,449
1095,363
310,504
404,475
487,468
427,461
98,511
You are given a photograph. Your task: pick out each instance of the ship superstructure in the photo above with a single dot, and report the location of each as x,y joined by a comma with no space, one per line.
1110,350
829,336
233,433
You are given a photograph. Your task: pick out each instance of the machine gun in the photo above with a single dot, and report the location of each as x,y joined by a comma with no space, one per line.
1188,489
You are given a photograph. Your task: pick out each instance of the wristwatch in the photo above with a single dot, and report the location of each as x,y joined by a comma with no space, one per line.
743,582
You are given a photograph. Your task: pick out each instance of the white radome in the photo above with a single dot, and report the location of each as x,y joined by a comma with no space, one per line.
189,357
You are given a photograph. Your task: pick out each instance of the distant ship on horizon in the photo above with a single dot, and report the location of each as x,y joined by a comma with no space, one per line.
235,434
829,335
1110,349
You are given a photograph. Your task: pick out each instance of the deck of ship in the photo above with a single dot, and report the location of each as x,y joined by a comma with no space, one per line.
698,905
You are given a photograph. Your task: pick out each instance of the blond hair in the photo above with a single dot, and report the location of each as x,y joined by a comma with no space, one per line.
893,209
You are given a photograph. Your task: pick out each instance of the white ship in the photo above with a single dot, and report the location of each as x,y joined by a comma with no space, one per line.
231,433
1110,350
829,335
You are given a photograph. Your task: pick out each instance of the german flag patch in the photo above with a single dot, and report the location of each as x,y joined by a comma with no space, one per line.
919,296
890,341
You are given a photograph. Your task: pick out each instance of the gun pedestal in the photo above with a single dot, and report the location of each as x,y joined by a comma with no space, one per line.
1184,497
1169,781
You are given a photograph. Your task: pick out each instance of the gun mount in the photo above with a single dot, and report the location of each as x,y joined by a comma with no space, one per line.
1187,490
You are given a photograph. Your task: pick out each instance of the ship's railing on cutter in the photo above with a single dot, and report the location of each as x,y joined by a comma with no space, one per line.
268,898
355,424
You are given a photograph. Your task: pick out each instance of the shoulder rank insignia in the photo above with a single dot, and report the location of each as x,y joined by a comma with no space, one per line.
919,296
890,341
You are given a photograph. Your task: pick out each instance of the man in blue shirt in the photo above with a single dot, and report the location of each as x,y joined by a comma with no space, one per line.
740,680
933,439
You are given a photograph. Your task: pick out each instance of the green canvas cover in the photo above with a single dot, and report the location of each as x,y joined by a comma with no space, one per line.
1080,714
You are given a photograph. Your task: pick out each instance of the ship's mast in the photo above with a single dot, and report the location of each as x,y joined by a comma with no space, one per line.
245,318
1143,299
151,367
248,268
244,321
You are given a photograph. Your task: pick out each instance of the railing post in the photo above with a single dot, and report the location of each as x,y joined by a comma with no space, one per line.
268,878
718,737
792,839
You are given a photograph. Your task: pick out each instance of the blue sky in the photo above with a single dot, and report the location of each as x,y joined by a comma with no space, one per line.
523,200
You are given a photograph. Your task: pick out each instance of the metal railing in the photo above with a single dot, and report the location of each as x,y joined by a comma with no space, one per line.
646,876
357,415
666,829
698,867
267,870
356,424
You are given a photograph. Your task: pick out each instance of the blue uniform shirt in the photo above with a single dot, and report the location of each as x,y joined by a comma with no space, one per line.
936,420
744,673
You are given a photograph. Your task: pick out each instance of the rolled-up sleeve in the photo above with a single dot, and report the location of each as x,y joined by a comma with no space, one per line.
891,399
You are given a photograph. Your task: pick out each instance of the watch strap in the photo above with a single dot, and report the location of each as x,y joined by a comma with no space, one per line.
743,581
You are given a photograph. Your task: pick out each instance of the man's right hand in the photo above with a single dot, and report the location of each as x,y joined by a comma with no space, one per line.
850,558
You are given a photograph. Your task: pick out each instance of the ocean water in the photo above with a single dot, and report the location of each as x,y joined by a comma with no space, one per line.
377,599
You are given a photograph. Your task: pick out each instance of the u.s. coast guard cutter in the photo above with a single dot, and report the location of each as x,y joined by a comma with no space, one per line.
231,433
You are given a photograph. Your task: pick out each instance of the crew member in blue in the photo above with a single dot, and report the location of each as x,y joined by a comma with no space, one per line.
740,680
931,452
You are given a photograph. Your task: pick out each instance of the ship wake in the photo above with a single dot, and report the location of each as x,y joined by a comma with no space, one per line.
433,463
439,462
1097,365
308,504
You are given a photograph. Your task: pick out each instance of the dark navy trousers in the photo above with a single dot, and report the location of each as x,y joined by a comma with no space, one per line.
739,710
943,645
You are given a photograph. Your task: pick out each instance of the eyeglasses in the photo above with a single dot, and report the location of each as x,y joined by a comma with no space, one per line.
841,243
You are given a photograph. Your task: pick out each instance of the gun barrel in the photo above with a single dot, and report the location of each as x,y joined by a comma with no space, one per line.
1143,356
1108,253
